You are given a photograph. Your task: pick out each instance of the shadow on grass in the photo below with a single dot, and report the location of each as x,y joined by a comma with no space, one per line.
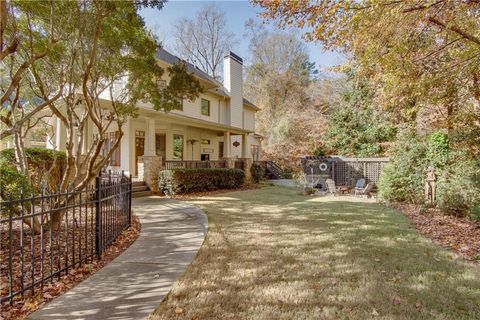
274,254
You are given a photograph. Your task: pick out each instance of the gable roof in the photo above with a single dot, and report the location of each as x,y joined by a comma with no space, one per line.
169,58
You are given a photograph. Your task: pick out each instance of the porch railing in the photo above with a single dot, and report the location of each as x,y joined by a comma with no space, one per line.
192,164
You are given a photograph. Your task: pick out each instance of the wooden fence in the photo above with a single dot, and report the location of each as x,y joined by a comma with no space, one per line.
345,171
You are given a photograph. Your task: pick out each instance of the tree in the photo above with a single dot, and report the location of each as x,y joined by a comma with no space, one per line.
355,127
104,64
417,55
204,40
283,82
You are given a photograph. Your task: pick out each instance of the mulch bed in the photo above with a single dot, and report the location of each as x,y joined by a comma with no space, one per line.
460,235
22,307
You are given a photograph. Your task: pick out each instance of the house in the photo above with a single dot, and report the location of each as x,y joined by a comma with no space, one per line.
219,124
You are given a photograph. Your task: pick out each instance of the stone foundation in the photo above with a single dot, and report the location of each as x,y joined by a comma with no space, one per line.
148,169
247,164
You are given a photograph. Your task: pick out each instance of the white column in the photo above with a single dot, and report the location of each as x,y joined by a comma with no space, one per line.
150,138
227,145
57,140
169,143
126,147
245,146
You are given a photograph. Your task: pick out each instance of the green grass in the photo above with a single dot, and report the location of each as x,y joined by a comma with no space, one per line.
272,253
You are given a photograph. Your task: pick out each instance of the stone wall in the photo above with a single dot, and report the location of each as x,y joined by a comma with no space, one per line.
148,169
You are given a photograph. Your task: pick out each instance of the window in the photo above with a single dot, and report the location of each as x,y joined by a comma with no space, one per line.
205,107
110,139
177,147
161,84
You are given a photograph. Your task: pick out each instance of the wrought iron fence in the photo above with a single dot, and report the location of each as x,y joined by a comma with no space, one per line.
191,164
43,236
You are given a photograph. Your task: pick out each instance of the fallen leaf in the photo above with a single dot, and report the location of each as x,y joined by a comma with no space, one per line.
396,300
178,310
418,304
375,313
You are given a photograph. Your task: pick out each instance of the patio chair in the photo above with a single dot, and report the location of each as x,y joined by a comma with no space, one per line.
360,185
367,191
331,188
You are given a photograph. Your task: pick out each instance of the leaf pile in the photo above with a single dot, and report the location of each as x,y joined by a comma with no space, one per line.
22,307
460,235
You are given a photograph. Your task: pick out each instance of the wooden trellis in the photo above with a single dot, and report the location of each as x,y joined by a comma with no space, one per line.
345,171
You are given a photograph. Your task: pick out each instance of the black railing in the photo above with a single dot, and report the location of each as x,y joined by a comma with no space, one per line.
44,236
272,170
192,164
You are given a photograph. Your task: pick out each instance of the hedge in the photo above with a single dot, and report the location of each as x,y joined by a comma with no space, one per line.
198,180
45,166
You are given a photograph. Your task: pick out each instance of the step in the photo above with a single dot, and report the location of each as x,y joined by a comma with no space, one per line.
141,194
138,183
140,188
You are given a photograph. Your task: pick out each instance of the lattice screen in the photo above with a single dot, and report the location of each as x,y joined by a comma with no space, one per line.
346,171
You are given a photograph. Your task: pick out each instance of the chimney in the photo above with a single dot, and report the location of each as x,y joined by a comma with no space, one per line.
233,82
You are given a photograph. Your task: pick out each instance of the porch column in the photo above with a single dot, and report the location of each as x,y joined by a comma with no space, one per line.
150,138
227,142
57,140
127,148
245,146
149,165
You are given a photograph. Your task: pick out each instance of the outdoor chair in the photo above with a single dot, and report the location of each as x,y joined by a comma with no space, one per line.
331,188
367,191
360,185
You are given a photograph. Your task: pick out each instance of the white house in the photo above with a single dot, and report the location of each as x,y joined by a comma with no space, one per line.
219,124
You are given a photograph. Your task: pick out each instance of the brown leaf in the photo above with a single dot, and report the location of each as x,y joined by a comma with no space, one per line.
178,310
396,300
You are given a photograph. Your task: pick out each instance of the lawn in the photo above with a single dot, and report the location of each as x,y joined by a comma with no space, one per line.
272,253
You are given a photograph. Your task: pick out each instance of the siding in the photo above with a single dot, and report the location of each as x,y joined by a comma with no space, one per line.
248,119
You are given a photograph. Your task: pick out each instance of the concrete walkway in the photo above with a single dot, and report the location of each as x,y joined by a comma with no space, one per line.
132,285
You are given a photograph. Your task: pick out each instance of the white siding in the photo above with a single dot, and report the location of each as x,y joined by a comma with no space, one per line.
248,119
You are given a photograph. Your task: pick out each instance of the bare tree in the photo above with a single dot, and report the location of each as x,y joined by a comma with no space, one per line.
204,40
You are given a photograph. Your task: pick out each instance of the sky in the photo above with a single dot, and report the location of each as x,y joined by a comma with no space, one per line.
237,13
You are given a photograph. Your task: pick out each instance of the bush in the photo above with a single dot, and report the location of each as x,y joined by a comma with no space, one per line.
402,178
257,171
45,165
458,189
12,183
197,180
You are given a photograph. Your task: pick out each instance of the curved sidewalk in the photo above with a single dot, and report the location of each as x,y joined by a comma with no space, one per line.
132,285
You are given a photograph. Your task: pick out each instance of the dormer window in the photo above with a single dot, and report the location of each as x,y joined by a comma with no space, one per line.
205,107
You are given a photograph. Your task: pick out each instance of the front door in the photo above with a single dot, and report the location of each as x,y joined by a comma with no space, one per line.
139,147
220,150
160,146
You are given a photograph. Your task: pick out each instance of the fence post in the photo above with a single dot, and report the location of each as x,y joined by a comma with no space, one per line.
130,200
98,217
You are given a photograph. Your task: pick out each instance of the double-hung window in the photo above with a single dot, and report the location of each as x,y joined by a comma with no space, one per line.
205,107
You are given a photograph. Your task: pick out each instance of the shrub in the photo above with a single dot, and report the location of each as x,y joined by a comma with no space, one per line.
458,189
13,183
45,165
257,171
198,180
402,178
438,150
